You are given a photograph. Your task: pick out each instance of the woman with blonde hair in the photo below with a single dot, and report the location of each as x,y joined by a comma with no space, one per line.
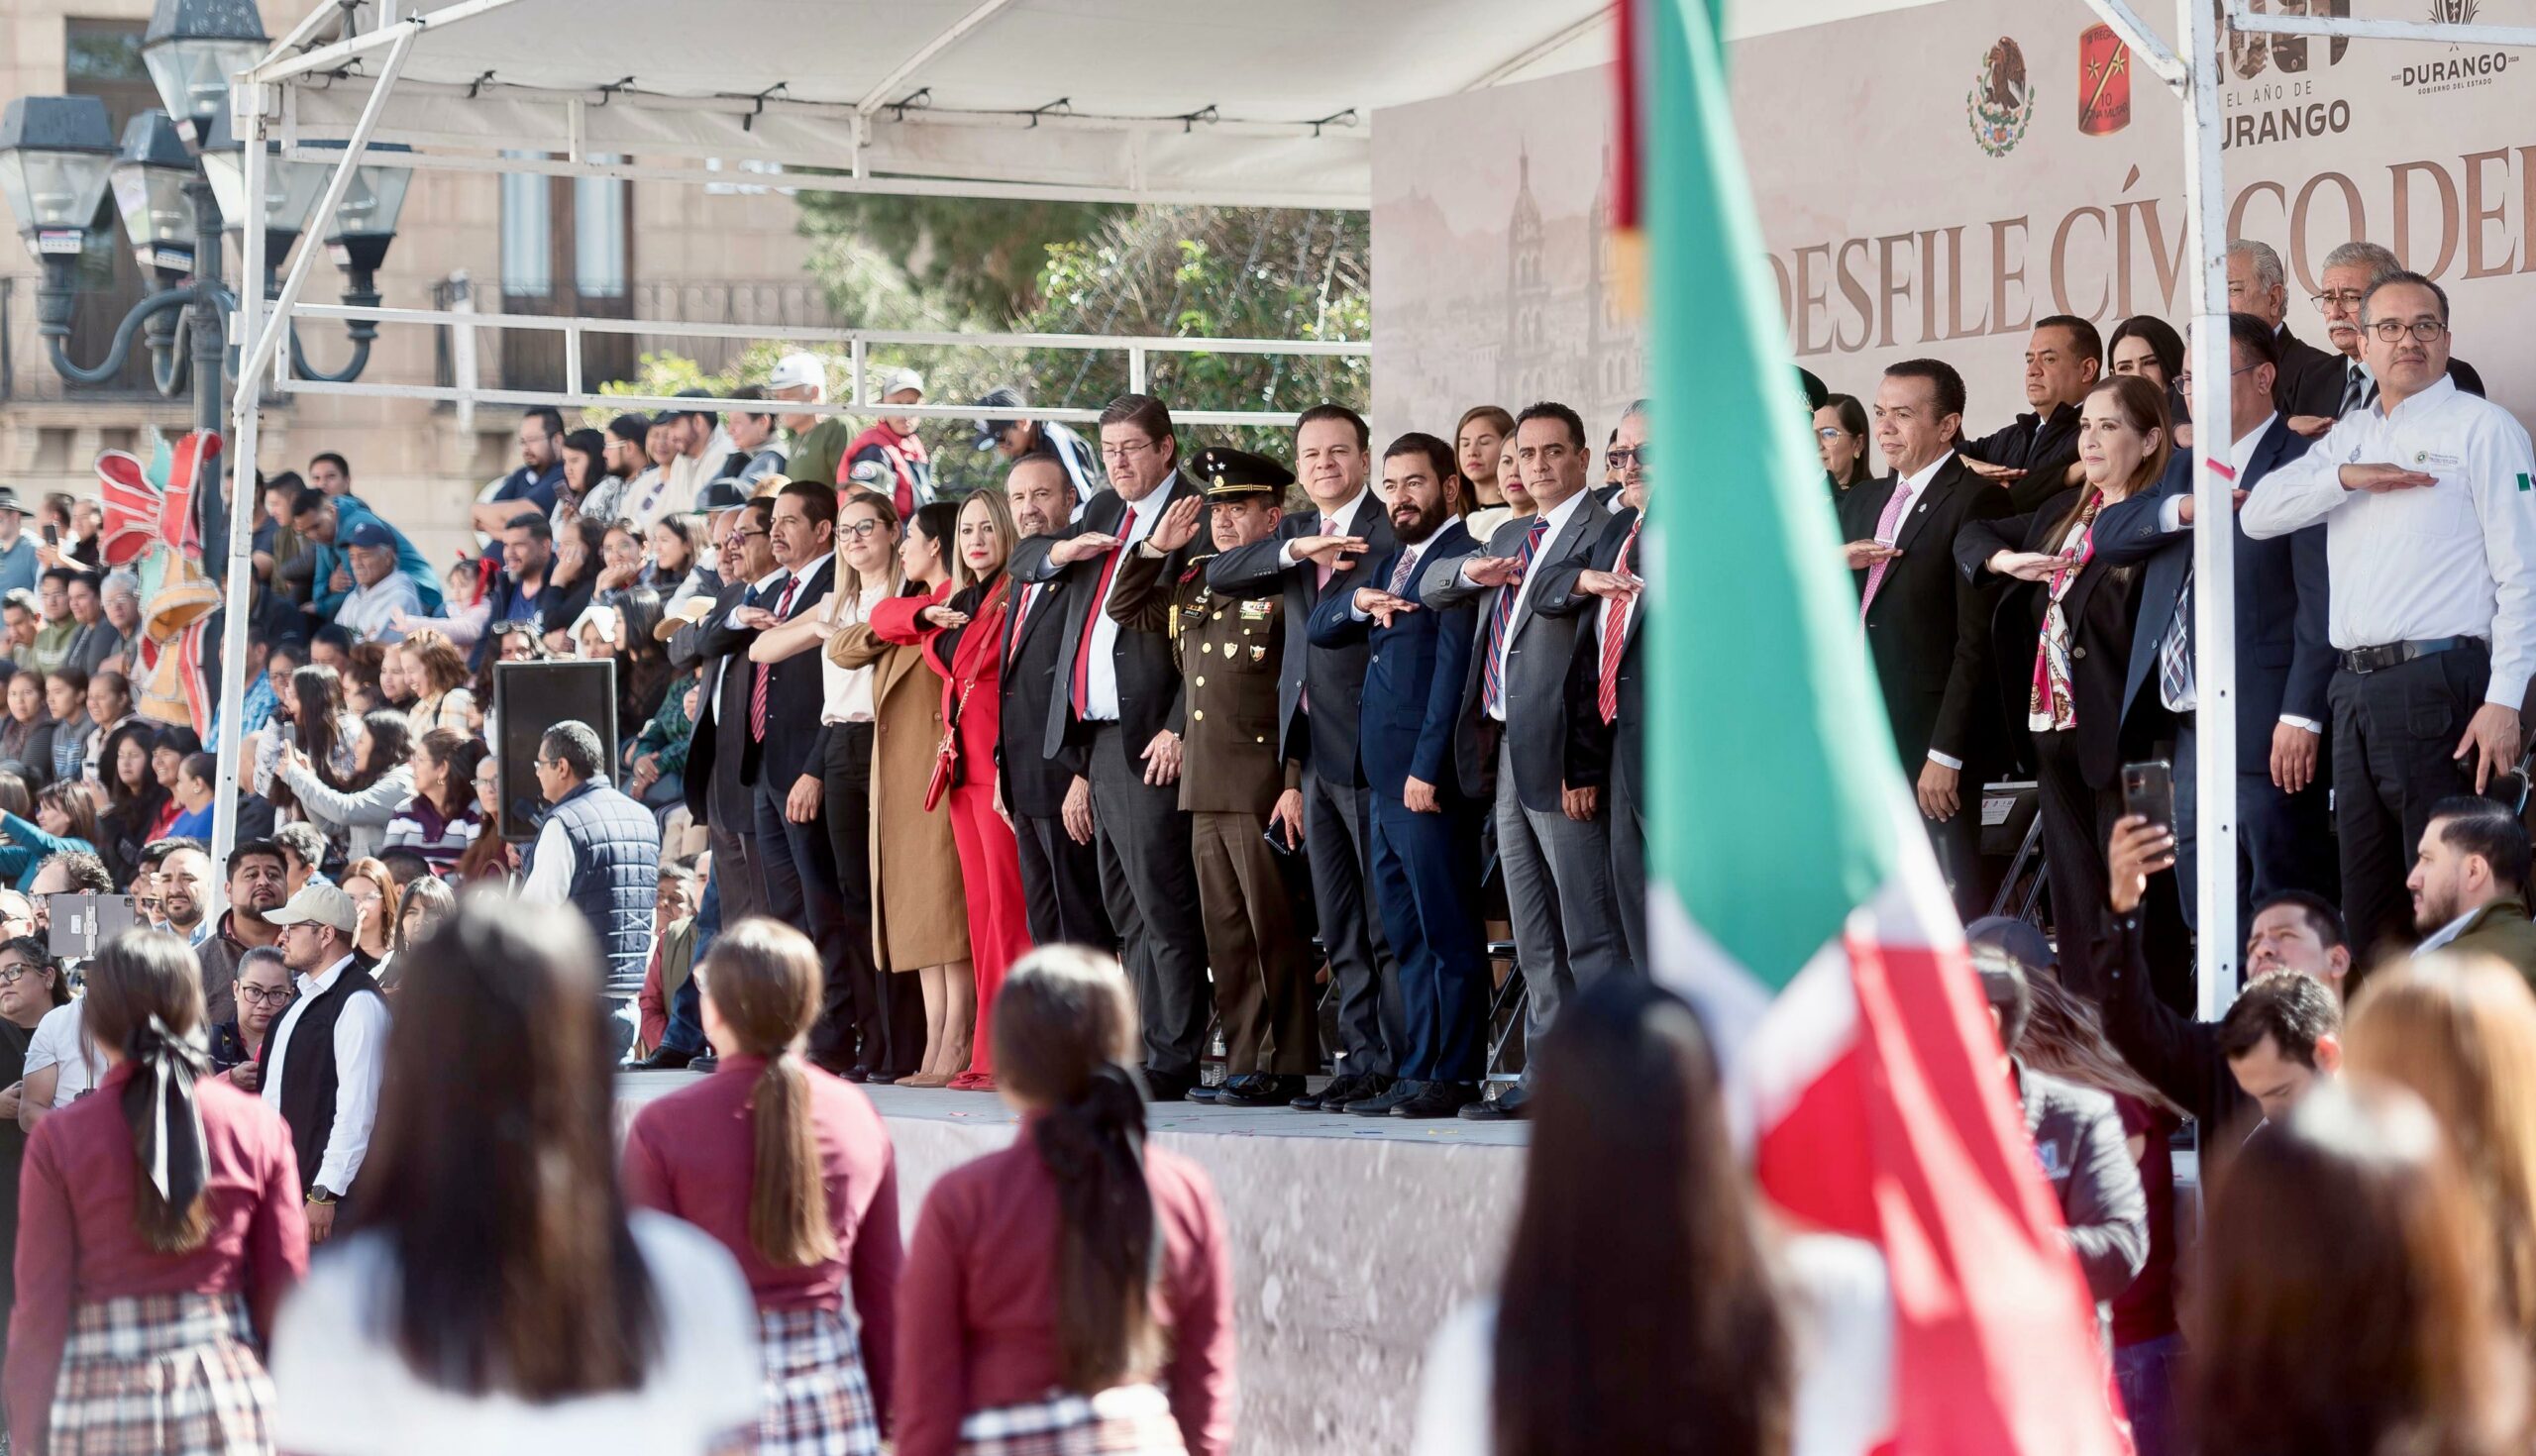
435,672
918,927
808,1200
2460,1030
963,643
1074,1291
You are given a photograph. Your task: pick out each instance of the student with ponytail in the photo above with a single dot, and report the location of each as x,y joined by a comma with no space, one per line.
1073,1291
806,1197
159,1226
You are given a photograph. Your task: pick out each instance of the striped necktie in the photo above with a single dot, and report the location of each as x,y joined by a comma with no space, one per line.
765,670
1492,674
1616,620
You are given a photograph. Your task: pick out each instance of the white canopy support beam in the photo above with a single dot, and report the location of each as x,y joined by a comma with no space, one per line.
248,106
2214,544
2340,27
343,53
886,89
1549,44
2146,46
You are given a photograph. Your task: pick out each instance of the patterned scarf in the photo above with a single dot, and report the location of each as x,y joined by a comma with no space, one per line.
2053,705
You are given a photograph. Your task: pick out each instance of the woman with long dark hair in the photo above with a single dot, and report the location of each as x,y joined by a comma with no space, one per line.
65,822
356,813
2064,634
318,726
440,818
491,1293
2346,1306
25,735
1073,1291
491,856
1839,435
917,928
1646,1305
585,479
160,1225
963,643
437,672
2145,346
807,1200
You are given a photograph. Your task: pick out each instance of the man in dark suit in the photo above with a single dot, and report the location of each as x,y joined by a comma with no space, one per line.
2350,271
1317,553
1425,831
1511,747
2284,663
2308,381
1927,624
2033,457
1120,702
778,728
716,794
1060,873
1605,707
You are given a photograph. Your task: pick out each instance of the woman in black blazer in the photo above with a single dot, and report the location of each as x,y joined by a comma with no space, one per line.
2065,649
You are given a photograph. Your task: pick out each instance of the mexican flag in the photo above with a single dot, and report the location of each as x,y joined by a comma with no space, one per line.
1794,895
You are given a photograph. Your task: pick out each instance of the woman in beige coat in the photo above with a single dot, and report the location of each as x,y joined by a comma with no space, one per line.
919,911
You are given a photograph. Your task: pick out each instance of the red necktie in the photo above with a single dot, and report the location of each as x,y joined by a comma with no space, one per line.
1082,694
757,692
1615,632
1020,614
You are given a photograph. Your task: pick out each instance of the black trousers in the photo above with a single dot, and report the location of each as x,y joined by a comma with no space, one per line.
1338,842
1150,881
1061,885
2396,736
865,1021
2077,824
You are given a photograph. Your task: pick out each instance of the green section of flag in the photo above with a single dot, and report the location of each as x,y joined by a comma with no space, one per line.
1769,760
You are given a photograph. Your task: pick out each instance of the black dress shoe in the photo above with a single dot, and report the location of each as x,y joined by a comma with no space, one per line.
1515,1102
704,1062
1332,1097
1384,1098
666,1059
1437,1100
856,1073
1205,1094
1261,1089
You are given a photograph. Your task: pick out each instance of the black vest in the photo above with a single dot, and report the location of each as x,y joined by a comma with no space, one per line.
308,1072
616,875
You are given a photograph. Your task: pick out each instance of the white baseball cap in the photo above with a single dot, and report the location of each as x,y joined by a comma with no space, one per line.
894,381
795,370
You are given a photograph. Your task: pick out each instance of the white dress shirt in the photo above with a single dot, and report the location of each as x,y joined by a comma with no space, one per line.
1334,522
1101,680
2456,558
1559,516
361,1045
757,595
846,693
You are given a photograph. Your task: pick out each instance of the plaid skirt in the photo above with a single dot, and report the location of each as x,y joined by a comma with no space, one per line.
1127,1420
819,1402
162,1375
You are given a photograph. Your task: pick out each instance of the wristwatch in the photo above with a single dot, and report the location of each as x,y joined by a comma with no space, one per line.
317,1193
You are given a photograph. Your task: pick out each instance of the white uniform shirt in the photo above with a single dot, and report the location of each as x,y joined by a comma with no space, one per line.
1101,678
360,1049
2456,558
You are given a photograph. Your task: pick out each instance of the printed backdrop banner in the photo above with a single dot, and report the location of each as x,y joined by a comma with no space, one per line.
1933,181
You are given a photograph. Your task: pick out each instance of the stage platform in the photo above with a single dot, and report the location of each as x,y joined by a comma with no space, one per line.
1352,1238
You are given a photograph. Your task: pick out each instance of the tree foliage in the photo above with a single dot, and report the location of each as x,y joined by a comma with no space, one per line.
982,258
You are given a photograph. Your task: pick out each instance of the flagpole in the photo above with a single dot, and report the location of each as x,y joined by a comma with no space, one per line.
2214,544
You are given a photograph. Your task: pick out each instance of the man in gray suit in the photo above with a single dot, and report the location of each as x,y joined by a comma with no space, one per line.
1552,841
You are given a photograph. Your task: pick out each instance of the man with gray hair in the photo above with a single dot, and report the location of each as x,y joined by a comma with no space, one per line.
2350,271
600,852
2310,380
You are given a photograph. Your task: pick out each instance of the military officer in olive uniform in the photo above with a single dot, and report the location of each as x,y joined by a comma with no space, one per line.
1234,787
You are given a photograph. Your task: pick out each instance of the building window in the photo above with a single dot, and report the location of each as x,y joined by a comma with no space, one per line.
528,232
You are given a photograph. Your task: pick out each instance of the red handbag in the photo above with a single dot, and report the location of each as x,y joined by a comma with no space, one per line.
946,754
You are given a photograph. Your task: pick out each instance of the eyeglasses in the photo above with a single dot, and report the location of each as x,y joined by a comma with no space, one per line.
1127,451
1830,432
15,974
859,529
1623,457
261,997
736,537
2422,329
2348,298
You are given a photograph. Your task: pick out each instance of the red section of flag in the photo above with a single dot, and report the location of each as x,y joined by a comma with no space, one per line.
1627,88
1910,1139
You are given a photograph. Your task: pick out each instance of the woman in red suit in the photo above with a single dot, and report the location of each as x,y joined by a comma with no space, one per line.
963,640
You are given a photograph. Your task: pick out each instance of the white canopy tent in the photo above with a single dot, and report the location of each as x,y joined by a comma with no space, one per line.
1231,102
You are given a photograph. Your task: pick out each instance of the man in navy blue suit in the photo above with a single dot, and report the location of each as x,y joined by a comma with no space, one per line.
1424,832
2284,660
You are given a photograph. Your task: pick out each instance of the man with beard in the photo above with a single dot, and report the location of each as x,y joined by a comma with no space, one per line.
539,477
2465,883
1424,830
1060,874
258,882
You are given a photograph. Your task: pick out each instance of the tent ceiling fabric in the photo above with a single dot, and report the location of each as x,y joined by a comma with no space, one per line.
678,80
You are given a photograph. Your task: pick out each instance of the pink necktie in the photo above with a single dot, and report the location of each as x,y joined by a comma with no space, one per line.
1885,526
